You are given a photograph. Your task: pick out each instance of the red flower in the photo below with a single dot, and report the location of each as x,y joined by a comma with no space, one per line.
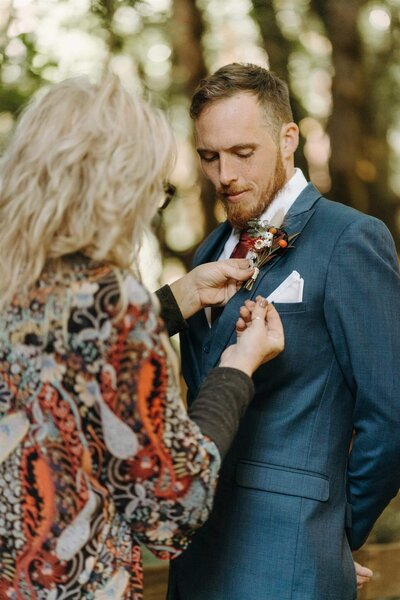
266,242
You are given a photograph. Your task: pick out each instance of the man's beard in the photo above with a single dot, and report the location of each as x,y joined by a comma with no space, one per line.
239,214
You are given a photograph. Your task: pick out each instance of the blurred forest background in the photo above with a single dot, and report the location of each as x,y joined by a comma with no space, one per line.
341,59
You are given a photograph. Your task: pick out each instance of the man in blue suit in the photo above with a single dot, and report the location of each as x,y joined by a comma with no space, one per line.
317,455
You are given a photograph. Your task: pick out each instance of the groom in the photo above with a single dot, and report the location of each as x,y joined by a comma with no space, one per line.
317,456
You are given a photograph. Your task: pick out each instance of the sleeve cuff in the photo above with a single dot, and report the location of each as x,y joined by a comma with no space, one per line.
170,311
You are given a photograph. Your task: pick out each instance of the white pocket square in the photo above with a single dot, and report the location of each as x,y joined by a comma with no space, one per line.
290,290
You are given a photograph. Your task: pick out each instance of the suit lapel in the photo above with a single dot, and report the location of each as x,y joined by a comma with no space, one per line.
294,225
295,222
212,247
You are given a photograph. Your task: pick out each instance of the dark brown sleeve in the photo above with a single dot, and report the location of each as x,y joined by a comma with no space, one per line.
170,311
221,403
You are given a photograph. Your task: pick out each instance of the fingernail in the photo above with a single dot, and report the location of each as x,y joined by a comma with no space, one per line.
263,302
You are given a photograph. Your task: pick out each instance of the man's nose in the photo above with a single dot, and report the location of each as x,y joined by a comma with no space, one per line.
227,173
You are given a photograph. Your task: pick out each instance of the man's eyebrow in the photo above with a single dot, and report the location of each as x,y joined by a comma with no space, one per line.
204,150
247,146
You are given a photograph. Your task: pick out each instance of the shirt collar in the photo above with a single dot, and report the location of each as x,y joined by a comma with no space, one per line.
276,211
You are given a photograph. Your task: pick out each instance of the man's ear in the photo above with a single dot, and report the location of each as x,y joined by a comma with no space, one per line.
289,139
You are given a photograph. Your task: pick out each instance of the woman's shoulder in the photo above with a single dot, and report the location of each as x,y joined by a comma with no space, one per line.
110,289
86,294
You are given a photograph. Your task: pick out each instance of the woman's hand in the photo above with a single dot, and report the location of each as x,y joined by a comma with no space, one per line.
211,284
260,337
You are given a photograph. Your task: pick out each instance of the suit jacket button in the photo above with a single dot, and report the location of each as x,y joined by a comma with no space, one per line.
206,348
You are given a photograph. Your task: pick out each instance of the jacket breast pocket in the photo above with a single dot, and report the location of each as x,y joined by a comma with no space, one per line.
290,307
282,480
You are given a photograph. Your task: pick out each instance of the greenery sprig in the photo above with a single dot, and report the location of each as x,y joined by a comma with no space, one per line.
265,242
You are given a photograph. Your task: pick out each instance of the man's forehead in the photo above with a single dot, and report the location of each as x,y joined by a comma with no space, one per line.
231,104
230,134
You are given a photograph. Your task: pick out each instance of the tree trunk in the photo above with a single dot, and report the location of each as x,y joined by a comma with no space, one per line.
359,148
188,69
187,31
279,49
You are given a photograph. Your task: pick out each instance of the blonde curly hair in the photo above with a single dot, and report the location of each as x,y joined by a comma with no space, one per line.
84,173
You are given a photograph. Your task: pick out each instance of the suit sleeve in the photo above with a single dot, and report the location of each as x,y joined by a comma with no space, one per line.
362,310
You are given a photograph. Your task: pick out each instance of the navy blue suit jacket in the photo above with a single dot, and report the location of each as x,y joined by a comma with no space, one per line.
291,500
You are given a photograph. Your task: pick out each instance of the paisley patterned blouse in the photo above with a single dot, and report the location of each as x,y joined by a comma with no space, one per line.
96,450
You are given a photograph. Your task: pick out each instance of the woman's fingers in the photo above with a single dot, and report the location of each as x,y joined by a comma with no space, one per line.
259,337
250,304
236,268
259,311
241,325
245,314
265,317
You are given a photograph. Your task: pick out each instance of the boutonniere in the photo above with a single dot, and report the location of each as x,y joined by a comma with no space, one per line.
265,242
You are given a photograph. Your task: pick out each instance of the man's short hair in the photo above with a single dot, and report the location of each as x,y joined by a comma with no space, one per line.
272,93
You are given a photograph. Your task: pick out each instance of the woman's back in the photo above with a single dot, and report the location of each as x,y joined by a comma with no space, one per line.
89,463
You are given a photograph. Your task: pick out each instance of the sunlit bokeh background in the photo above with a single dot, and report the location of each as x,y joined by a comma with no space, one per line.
164,46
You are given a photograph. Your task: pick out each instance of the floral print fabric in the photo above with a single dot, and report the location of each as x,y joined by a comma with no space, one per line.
97,453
